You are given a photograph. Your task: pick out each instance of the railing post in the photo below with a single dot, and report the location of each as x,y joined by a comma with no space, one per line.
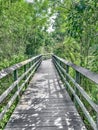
67,71
40,60
15,78
25,69
77,79
30,64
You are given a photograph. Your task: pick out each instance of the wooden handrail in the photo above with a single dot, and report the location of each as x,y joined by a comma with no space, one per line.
34,64
64,73
87,73
9,70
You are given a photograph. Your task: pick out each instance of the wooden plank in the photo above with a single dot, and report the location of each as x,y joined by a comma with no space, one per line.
45,105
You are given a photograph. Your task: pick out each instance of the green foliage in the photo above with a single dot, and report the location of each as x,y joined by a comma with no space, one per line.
78,20
21,29
15,59
23,33
70,47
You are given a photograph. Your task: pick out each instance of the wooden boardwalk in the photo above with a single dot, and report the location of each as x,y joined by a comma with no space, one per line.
45,105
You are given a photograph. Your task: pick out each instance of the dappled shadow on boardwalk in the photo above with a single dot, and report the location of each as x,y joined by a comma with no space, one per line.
45,105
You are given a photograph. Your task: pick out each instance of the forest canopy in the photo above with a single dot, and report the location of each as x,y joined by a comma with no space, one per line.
74,35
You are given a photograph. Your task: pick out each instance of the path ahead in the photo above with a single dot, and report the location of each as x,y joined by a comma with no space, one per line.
45,105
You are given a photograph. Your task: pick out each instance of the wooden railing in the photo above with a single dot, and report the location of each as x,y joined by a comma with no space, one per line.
63,67
29,67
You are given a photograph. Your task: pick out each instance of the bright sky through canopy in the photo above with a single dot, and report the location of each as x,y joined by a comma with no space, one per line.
30,1
51,19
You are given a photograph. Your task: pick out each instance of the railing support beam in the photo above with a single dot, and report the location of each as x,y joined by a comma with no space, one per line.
16,78
25,69
67,71
77,79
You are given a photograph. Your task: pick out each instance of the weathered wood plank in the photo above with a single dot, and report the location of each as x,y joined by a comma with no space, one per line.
45,105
